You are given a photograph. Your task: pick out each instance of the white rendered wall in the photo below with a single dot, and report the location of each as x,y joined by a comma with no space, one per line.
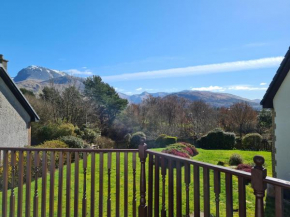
14,120
282,131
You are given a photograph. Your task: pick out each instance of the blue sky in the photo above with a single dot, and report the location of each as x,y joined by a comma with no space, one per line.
224,45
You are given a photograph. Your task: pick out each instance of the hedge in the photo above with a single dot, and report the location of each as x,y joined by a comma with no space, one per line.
252,141
164,140
217,139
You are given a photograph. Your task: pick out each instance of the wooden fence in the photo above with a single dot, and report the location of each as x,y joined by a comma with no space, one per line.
52,182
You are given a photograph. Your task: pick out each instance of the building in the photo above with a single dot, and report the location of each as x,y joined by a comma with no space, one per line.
16,114
277,98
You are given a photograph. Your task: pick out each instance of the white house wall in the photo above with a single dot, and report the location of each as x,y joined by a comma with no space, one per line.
282,131
14,120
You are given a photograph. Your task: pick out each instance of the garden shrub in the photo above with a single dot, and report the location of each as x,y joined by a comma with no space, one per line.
104,142
244,167
73,142
164,140
181,149
53,131
252,141
136,139
235,159
217,139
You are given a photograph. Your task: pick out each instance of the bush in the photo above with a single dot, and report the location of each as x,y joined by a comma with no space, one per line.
53,131
136,139
104,142
163,140
217,139
72,141
181,149
252,141
244,167
235,159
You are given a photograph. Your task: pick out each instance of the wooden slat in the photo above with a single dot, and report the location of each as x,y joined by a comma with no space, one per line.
170,189
20,183
60,185
196,191
206,191
28,185
101,178
150,186
109,162
242,197
134,185
163,173
156,188
117,184
187,182
5,184
68,184
76,192
229,195
84,201
93,174
217,191
12,196
44,184
279,209
126,183
36,171
178,190
51,186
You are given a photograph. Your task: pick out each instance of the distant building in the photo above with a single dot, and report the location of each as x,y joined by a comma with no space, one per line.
16,114
277,98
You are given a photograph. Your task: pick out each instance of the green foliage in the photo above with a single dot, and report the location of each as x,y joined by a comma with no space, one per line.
27,92
252,141
235,160
265,119
72,141
53,144
52,131
105,143
217,139
163,140
136,139
107,102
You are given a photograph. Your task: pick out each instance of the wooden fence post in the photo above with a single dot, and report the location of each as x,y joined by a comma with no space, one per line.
143,156
259,173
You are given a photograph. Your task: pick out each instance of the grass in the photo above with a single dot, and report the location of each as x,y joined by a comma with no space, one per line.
209,156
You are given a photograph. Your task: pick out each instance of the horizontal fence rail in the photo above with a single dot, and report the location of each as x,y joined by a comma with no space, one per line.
111,182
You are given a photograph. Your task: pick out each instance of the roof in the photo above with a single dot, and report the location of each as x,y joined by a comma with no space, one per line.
267,101
18,94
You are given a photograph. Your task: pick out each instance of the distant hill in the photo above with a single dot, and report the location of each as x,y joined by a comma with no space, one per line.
35,78
212,98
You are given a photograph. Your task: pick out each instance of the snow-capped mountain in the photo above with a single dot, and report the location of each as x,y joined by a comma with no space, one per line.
38,73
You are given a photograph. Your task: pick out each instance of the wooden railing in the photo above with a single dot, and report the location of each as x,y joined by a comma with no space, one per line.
87,182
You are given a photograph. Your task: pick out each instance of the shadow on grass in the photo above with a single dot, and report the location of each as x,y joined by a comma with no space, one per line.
270,207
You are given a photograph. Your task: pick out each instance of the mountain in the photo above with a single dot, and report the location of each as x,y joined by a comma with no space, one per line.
212,98
38,73
35,78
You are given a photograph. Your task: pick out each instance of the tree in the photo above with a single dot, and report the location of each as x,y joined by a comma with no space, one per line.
105,99
27,92
264,120
242,115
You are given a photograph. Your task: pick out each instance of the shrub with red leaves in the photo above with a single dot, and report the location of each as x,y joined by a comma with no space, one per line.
181,149
244,167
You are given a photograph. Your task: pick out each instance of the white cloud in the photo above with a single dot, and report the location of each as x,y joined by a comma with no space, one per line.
257,44
262,84
78,72
246,87
229,88
139,89
198,70
210,88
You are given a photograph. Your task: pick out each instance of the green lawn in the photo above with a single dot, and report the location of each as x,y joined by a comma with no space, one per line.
209,156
